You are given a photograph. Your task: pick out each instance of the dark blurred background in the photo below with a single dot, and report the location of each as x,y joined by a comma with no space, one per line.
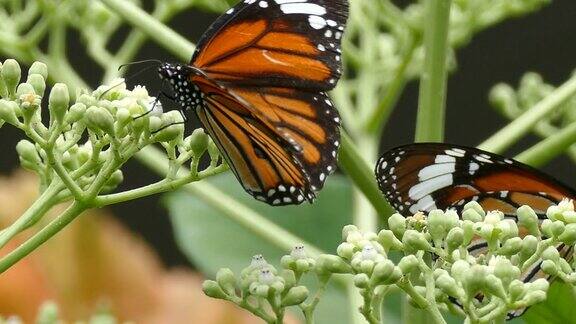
544,42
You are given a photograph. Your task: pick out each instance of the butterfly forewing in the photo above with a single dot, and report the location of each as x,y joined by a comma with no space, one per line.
426,176
283,43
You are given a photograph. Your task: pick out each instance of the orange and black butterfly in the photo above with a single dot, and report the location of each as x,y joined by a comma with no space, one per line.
428,176
258,83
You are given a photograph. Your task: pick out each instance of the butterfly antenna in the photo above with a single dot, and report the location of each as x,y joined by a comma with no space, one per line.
157,62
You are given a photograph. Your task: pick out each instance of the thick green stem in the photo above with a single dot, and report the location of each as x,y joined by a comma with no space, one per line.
159,32
551,147
42,236
507,136
433,82
38,209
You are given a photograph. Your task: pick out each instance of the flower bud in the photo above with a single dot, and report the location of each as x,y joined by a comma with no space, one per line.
123,117
349,229
557,228
58,102
415,241
38,83
494,286
30,104
516,289
345,250
198,142
365,266
397,223
385,273
455,238
24,89
468,227
436,224
502,96
476,207
475,279
527,218
387,239
503,269
227,281
212,289
8,110
448,285
327,264
459,269
546,227
173,127
529,246
549,267
11,74
40,69
28,154
361,281
569,235
75,113
99,119
289,278
534,297
551,253
295,296
408,264
472,215
511,246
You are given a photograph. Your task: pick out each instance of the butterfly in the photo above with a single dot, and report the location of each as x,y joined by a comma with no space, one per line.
258,81
427,176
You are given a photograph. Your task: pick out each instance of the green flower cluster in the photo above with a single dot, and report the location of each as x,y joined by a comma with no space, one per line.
474,264
117,123
263,290
531,90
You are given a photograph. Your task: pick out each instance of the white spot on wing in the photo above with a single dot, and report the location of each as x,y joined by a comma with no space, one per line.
436,170
303,8
427,187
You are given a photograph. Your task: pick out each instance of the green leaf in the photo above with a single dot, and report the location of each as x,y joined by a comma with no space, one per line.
558,307
212,241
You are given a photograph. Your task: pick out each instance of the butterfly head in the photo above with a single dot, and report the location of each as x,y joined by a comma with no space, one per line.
179,76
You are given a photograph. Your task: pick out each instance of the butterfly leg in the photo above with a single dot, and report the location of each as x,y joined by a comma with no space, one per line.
160,94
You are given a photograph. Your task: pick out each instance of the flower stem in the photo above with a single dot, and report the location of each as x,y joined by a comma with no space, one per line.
38,209
159,32
42,236
433,82
507,136
549,148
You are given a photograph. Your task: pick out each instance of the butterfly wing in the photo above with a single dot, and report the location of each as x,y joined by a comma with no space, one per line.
275,59
427,176
281,43
267,166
